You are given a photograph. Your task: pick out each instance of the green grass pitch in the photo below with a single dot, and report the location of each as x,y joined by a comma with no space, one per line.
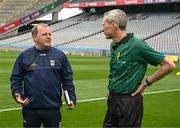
91,78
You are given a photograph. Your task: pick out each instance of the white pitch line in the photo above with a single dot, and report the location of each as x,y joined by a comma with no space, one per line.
10,109
146,93
163,91
101,98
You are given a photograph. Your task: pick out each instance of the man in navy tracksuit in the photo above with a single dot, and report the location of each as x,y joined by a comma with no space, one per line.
37,79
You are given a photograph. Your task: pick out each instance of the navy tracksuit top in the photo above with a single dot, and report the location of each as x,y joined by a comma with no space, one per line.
40,75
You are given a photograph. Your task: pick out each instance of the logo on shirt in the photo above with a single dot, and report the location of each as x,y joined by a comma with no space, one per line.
43,54
118,56
33,65
123,62
52,62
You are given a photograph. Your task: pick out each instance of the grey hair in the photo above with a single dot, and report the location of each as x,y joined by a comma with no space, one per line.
117,16
35,28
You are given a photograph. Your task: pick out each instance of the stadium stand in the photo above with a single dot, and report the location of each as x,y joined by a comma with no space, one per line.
153,24
160,30
80,1
168,42
14,9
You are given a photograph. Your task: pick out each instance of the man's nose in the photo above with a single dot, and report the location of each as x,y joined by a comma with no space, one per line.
48,35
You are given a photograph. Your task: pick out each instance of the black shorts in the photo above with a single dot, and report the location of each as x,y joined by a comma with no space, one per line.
123,111
46,117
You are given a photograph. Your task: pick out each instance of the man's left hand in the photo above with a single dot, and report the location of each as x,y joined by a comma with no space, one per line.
140,90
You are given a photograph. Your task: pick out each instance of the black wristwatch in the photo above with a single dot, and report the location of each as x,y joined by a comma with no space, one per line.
147,82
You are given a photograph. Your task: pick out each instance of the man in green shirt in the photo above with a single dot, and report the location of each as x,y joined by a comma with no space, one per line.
129,59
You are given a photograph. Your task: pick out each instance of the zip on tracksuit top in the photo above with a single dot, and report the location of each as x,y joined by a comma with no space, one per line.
39,76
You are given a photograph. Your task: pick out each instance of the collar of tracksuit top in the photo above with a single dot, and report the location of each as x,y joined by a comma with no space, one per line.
124,40
45,50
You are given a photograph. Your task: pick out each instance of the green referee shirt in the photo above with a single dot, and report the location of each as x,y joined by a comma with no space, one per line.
128,64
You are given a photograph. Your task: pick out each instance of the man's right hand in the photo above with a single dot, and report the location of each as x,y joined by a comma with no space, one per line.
70,106
20,100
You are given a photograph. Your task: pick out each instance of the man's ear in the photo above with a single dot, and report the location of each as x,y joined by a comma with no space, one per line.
115,26
34,39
